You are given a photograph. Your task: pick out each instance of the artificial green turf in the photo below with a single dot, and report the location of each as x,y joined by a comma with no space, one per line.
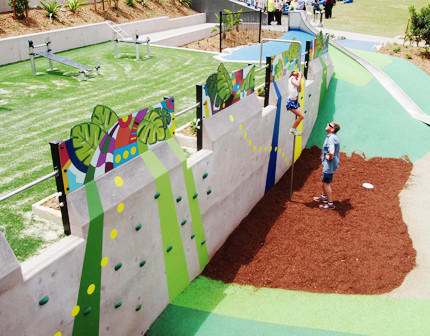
374,17
41,108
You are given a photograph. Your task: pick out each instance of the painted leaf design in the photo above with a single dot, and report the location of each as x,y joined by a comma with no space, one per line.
293,51
219,86
319,44
104,117
165,116
86,137
151,128
249,82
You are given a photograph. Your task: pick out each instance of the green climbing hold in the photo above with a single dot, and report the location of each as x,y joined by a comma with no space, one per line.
310,94
195,195
203,242
169,248
157,195
118,266
192,236
179,199
44,300
138,227
209,192
205,175
143,262
87,310
118,304
184,222
138,307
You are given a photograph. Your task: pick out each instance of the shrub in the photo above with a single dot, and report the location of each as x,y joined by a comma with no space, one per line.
75,4
420,24
186,2
396,50
130,3
50,7
408,56
20,7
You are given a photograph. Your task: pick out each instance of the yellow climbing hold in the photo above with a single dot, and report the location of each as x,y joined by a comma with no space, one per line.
118,181
120,207
75,311
255,148
265,148
104,261
259,149
283,154
240,127
245,135
249,143
276,149
231,117
58,333
91,289
113,233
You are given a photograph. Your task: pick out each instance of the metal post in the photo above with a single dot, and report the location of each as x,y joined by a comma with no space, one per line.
48,49
267,81
82,73
199,116
220,31
148,48
259,27
136,43
31,53
307,58
115,41
55,153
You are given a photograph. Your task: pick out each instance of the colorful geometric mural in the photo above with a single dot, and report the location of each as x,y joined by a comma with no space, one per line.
280,65
223,89
107,141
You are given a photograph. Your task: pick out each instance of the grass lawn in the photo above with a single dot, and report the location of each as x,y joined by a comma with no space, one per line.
375,17
38,109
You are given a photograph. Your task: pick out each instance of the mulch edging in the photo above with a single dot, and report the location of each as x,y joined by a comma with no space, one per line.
362,247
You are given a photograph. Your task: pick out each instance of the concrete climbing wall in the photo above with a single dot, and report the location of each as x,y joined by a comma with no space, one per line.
143,231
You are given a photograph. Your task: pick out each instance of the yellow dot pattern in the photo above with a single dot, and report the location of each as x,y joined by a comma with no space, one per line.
75,311
120,207
91,289
118,181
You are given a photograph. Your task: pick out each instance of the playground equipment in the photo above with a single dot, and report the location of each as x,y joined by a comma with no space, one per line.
83,69
122,36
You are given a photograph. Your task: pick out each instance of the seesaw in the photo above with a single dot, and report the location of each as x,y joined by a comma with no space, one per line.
83,69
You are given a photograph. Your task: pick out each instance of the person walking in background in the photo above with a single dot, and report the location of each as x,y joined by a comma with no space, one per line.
293,105
278,11
328,6
270,11
330,163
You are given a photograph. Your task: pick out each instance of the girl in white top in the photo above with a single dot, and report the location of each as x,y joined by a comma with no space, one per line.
293,104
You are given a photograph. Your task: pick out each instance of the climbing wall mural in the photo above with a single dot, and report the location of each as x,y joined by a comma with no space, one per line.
107,141
281,64
223,89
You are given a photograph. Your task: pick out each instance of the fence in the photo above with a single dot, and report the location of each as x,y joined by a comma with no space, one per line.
239,27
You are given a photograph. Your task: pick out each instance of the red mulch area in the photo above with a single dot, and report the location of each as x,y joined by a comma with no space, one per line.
362,247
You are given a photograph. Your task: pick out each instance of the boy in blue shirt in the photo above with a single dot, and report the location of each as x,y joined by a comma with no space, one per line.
330,162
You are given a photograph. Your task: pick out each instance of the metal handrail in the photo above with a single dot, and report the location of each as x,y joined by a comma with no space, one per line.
29,185
187,109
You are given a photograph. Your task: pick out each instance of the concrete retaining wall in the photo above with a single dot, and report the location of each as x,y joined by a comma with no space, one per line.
15,49
215,188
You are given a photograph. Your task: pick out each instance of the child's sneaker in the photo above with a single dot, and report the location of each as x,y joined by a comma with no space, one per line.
327,206
322,198
294,131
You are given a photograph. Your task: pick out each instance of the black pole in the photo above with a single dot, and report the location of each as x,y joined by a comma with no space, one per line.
55,153
267,81
220,31
307,58
199,116
259,27
173,100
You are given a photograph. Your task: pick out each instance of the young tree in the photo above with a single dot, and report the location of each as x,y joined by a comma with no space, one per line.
21,6
420,24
